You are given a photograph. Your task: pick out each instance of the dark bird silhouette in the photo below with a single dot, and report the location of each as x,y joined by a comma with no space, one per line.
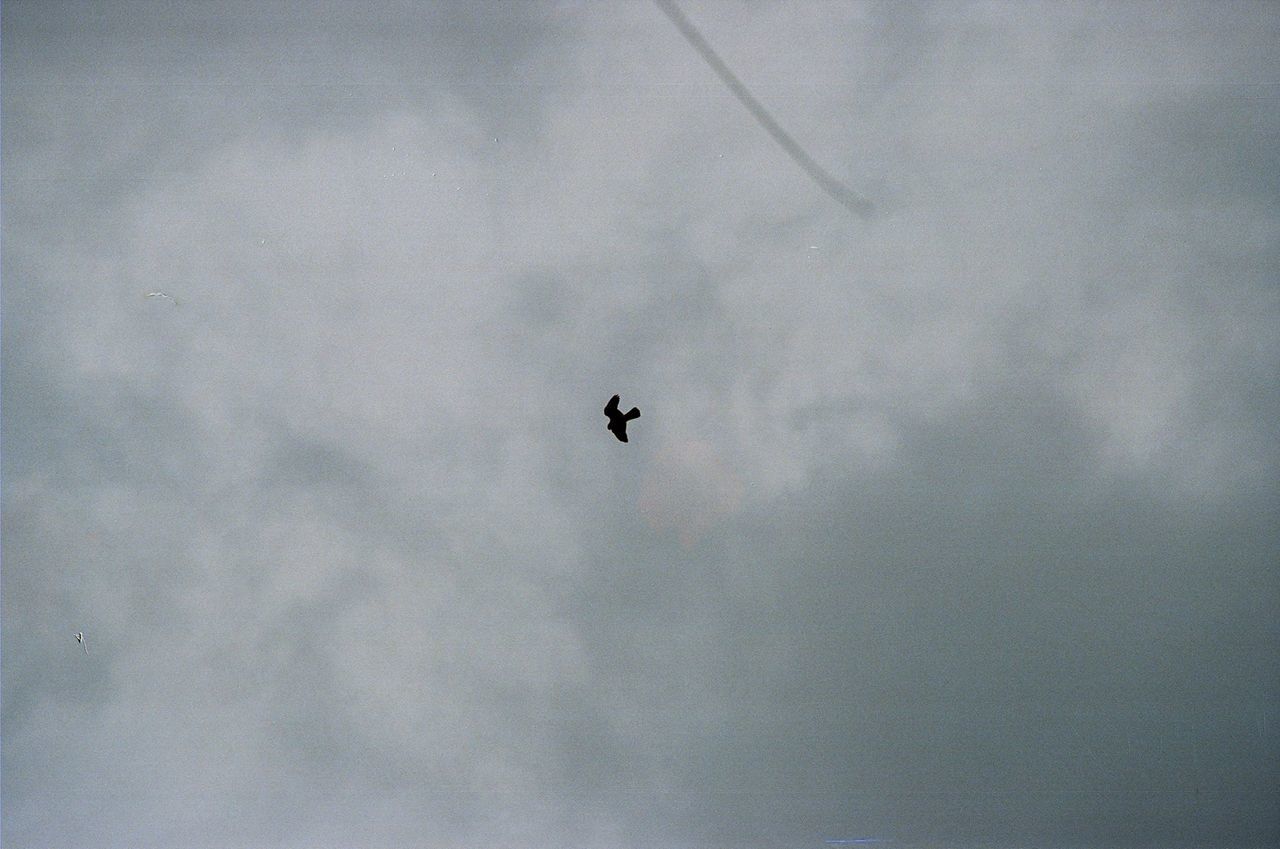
618,421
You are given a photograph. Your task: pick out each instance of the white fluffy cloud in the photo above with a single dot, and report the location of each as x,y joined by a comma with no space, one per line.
912,500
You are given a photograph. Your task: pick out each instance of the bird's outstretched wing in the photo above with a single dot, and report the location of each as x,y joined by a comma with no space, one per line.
634,414
611,408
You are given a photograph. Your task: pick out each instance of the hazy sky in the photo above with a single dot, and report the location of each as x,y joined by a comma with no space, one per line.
957,525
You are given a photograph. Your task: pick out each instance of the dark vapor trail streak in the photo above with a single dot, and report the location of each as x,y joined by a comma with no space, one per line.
838,191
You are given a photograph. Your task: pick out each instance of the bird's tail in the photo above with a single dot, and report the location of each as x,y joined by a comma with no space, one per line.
634,414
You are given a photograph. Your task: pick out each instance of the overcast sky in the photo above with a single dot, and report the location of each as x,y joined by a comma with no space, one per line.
954,525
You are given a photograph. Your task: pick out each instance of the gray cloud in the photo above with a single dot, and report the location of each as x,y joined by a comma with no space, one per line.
833,187
954,526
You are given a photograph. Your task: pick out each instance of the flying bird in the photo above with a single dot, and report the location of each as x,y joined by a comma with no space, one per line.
618,421
158,294
80,640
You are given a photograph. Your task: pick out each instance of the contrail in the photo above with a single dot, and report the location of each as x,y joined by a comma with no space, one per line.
838,191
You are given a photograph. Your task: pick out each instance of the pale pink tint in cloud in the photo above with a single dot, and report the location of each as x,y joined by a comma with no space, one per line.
688,488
